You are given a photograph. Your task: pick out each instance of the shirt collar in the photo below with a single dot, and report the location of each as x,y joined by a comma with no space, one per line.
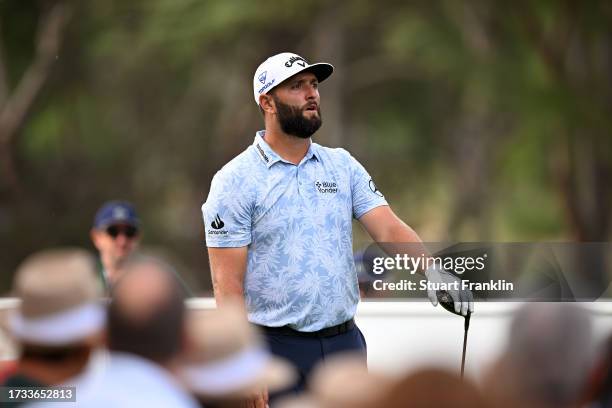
269,156
264,151
312,152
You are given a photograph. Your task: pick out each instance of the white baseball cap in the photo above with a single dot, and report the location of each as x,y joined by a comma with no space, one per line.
279,67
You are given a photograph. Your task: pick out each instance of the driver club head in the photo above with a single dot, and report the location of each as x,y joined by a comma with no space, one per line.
445,299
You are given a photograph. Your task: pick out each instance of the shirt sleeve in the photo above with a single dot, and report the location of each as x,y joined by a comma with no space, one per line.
227,213
365,194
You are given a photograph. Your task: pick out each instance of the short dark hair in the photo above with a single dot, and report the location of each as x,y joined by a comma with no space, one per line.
157,336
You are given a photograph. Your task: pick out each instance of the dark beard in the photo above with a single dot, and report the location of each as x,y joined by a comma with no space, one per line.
293,122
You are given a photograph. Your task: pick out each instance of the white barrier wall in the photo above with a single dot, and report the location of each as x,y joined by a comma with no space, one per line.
402,336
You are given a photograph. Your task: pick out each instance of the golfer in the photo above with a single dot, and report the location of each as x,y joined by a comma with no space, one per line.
278,223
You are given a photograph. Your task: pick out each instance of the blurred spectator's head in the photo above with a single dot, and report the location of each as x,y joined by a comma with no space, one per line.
60,317
226,360
599,389
342,381
146,314
432,388
547,358
115,232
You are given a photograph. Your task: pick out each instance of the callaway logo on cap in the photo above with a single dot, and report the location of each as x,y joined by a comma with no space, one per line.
281,66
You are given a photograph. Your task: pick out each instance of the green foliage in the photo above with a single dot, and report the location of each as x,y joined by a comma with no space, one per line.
447,103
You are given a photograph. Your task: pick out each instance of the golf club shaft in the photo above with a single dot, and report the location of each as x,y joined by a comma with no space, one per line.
466,327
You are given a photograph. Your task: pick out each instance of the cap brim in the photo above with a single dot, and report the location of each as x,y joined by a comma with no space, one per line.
275,375
61,328
321,70
106,224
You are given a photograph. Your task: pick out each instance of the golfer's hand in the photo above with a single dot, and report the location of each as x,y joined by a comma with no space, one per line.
463,299
259,400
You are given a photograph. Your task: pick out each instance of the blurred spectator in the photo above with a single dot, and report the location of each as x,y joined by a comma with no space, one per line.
599,390
145,338
116,234
59,320
432,388
227,362
547,358
343,381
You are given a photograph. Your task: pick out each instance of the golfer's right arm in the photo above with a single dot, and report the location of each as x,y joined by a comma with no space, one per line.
228,266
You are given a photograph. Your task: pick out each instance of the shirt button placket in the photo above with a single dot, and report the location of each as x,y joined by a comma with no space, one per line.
300,181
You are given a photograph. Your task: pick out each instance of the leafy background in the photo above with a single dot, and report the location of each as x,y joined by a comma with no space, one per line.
481,120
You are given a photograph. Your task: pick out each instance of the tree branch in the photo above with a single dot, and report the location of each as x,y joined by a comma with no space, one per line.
14,112
4,89
19,103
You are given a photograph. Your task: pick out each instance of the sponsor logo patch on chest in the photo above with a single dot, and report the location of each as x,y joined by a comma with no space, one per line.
326,187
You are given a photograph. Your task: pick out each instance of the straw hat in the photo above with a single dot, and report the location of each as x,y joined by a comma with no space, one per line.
227,359
341,381
60,298
344,381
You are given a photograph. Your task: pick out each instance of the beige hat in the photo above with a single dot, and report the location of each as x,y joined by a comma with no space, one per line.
227,358
60,298
342,381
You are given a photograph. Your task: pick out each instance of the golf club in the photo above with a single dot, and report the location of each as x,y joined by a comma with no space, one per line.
447,302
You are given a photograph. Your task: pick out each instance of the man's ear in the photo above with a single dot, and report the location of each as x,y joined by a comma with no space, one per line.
267,103
93,235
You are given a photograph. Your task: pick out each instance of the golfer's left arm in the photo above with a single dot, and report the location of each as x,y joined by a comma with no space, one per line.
395,237
392,234
383,225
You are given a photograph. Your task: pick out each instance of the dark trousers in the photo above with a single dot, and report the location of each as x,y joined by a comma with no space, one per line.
304,353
